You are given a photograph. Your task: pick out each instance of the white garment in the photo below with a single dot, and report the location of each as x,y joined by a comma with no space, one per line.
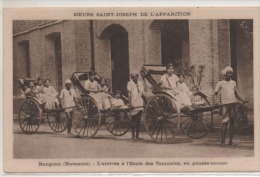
182,97
91,85
169,81
227,90
50,95
184,88
136,90
67,97
104,88
117,102
185,93
101,98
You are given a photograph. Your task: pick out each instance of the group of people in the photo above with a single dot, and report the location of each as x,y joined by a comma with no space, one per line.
104,100
44,92
227,88
170,82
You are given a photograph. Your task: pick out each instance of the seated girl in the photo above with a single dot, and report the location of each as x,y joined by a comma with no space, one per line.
100,96
117,102
169,82
102,86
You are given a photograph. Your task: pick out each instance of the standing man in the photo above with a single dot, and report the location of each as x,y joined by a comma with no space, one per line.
228,90
68,97
136,95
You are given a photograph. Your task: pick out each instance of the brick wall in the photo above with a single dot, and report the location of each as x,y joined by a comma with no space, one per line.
22,25
210,46
207,43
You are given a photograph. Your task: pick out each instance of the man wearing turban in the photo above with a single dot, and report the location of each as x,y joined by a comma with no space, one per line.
228,90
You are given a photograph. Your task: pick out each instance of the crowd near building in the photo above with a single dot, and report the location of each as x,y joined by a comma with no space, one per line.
55,49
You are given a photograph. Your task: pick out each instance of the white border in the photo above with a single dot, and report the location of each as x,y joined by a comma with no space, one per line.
128,3
102,3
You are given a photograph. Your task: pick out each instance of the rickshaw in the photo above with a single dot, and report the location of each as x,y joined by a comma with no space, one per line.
33,111
88,116
163,119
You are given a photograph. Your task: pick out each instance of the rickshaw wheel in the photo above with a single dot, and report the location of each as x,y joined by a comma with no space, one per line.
197,125
57,120
117,123
30,116
161,118
87,117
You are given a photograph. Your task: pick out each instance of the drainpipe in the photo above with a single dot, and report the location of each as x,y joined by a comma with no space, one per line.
92,45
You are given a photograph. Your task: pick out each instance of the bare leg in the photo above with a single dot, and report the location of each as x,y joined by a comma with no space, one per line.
69,121
224,131
231,131
133,127
138,121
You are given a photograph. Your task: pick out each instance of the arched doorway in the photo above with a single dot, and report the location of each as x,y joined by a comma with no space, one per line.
118,37
174,39
54,58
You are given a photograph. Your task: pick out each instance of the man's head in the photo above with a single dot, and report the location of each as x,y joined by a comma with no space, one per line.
68,84
227,72
134,76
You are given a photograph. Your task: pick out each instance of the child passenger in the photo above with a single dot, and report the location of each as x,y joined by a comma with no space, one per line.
100,97
117,101
102,86
50,95
169,82
183,87
228,90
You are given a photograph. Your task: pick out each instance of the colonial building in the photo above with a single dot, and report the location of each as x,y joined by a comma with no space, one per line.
114,48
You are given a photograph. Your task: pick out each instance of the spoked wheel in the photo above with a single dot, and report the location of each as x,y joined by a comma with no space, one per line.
87,118
197,125
30,116
161,118
57,120
118,123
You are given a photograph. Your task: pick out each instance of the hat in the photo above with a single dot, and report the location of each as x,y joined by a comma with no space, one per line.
133,74
226,69
68,81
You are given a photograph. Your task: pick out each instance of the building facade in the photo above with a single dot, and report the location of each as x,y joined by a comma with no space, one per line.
115,48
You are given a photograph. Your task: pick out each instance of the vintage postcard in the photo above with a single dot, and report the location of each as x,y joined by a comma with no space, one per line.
130,90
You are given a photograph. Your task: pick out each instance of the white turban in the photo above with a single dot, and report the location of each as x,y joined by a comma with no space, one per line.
68,81
133,74
226,69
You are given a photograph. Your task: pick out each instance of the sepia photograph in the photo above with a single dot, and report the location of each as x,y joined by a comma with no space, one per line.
132,90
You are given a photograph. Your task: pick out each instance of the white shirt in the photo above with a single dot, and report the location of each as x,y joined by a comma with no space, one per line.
117,102
227,90
91,85
67,97
169,81
183,87
50,91
136,90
